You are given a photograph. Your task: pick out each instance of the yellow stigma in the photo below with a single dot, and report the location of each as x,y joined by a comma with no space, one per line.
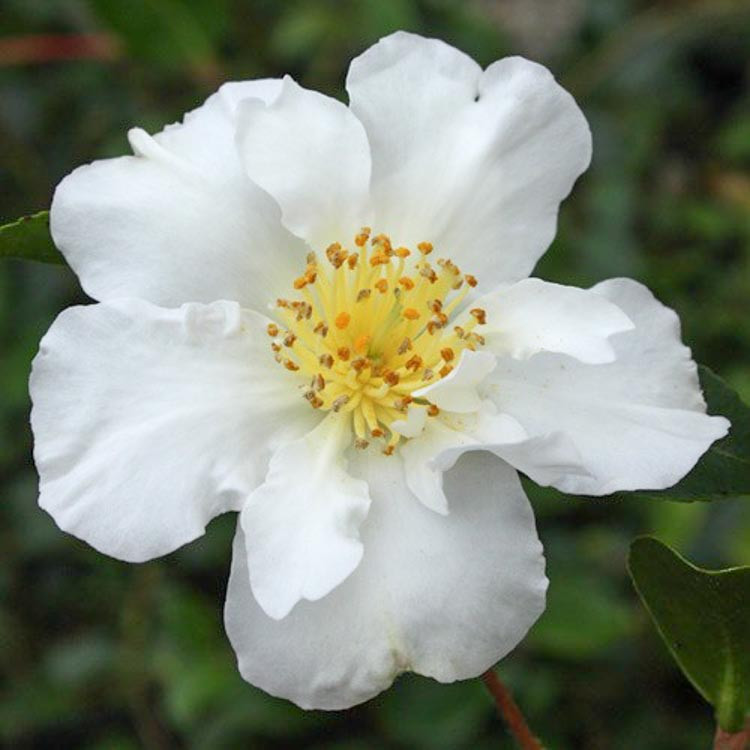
368,331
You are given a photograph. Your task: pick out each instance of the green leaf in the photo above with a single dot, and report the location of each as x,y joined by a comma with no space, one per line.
724,470
28,238
704,618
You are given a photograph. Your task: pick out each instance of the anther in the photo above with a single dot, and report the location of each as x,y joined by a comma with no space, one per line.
360,363
479,314
428,272
428,374
344,353
391,378
342,320
361,239
403,252
425,248
445,370
361,344
321,328
470,280
414,363
339,403
432,410
363,294
289,339
272,329
360,444
382,285
318,382
410,313
407,283
293,366
404,346
377,432
326,360
447,354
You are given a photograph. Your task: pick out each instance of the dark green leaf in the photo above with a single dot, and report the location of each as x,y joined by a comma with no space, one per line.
724,470
704,618
28,238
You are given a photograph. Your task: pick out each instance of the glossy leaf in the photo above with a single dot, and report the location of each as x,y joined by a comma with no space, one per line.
704,618
28,238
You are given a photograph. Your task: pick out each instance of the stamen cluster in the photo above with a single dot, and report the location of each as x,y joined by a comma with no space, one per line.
371,327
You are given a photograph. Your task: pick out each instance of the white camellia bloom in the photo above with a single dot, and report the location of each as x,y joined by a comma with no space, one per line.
319,316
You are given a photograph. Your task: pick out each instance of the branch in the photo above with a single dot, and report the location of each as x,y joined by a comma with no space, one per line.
511,713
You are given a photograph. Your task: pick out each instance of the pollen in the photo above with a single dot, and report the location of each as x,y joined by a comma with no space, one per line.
360,345
342,320
411,313
366,328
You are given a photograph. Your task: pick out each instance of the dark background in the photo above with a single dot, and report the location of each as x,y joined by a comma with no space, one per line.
102,655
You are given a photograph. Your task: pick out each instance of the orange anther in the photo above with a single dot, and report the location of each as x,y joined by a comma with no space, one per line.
391,377
480,315
410,313
406,282
432,410
470,280
362,237
342,320
447,354
381,285
425,248
403,252
344,353
361,343
414,363
272,329
445,370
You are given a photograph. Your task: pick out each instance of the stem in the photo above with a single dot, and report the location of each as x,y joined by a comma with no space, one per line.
511,713
732,741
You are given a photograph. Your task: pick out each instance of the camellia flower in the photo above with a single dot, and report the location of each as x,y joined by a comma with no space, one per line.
318,316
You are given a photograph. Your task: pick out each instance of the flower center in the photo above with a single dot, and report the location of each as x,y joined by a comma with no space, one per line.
371,328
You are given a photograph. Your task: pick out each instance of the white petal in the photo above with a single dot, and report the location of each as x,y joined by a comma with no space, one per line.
149,422
545,458
311,154
534,316
413,425
180,221
445,597
302,523
477,163
457,391
638,422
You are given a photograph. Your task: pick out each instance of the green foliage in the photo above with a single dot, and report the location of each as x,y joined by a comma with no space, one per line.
704,618
28,238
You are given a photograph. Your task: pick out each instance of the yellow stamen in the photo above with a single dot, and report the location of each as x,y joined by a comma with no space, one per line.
381,347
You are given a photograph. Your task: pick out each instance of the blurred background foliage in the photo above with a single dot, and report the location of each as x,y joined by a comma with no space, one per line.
101,655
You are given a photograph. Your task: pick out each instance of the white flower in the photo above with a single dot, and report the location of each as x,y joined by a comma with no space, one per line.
331,418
